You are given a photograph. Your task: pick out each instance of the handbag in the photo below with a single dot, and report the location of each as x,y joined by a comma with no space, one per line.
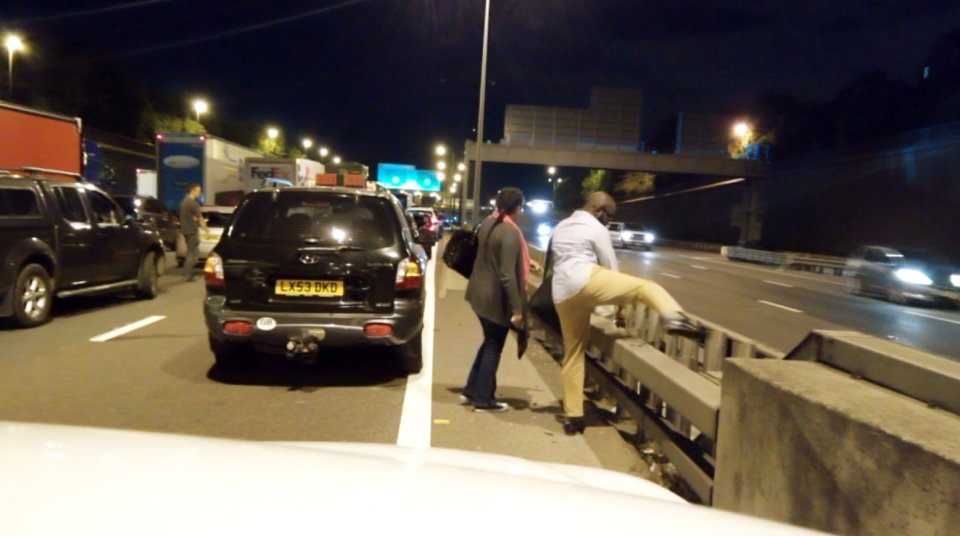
181,245
461,251
541,303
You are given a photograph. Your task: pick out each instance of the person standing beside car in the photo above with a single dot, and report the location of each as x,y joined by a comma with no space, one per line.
191,221
496,292
585,275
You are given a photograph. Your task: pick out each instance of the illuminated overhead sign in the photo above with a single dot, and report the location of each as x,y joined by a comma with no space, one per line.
407,177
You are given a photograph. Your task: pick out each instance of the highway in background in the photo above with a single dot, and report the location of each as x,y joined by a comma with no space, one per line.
779,307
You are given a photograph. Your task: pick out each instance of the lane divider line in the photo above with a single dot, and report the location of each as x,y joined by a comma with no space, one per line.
671,275
698,267
777,283
791,309
933,317
416,417
127,329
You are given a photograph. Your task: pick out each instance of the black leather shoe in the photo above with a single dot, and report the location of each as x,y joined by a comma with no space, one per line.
573,425
684,328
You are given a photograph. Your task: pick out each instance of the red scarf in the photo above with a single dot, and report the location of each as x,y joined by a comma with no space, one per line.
523,248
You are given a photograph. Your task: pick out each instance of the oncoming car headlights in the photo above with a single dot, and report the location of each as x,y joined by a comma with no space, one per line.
648,237
955,280
913,276
544,229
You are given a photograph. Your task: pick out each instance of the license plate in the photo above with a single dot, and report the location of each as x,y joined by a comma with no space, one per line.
302,287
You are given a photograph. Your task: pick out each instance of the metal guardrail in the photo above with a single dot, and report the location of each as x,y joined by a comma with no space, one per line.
803,261
669,385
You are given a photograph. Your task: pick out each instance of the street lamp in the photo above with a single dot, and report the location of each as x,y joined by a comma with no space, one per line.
551,170
272,133
307,144
324,152
483,98
440,150
336,160
741,130
200,106
555,183
13,44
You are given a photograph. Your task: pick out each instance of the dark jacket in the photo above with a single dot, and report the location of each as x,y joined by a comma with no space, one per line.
495,290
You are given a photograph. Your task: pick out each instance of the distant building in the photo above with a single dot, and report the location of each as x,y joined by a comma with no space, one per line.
611,122
703,134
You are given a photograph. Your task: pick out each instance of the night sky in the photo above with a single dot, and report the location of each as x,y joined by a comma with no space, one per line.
383,80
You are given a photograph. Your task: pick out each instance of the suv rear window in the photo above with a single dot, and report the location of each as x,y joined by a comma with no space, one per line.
18,202
321,218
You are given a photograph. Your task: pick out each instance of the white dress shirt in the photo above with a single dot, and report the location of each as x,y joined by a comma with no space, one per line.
580,242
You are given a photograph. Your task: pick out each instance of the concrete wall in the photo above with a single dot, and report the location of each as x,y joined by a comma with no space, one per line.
809,445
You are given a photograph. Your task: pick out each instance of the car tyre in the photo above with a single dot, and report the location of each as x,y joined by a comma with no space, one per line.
148,282
228,355
411,354
32,296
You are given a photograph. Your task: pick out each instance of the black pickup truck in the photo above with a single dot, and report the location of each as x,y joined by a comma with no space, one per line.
61,237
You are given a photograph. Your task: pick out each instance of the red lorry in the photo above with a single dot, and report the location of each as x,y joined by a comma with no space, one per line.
31,138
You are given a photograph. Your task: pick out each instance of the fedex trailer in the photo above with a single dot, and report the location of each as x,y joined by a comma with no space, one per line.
260,172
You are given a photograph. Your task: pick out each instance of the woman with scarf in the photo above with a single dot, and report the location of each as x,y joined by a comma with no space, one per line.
497,293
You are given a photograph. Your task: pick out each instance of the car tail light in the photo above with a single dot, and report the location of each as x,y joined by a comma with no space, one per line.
409,275
377,330
213,271
238,327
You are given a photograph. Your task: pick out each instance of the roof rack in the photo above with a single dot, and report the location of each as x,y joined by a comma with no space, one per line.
38,172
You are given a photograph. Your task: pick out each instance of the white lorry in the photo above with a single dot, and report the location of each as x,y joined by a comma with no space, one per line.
214,163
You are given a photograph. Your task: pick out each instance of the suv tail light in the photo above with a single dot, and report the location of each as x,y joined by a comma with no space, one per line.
409,275
213,271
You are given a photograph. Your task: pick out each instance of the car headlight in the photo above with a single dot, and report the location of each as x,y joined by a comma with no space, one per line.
648,237
626,235
955,280
544,229
913,276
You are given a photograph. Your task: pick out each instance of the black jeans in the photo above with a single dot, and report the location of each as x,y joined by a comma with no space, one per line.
482,382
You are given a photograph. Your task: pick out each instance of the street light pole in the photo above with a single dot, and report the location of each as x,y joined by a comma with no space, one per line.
483,96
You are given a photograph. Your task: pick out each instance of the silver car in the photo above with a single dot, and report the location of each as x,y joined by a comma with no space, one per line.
217,218
904,275
630,235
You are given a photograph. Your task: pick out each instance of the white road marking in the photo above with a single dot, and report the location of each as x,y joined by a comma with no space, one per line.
791,309
416,419
779,284
127,329
671,275
698,267
933,317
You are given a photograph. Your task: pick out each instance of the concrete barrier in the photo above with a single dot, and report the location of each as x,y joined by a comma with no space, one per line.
847,433
809,444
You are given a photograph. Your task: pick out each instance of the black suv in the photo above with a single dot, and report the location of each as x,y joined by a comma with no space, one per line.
299,269
67,238
150,212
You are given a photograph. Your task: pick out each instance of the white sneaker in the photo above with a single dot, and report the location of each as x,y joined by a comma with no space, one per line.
497,407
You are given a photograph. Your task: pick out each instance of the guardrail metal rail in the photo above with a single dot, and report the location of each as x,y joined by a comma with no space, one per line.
668,385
